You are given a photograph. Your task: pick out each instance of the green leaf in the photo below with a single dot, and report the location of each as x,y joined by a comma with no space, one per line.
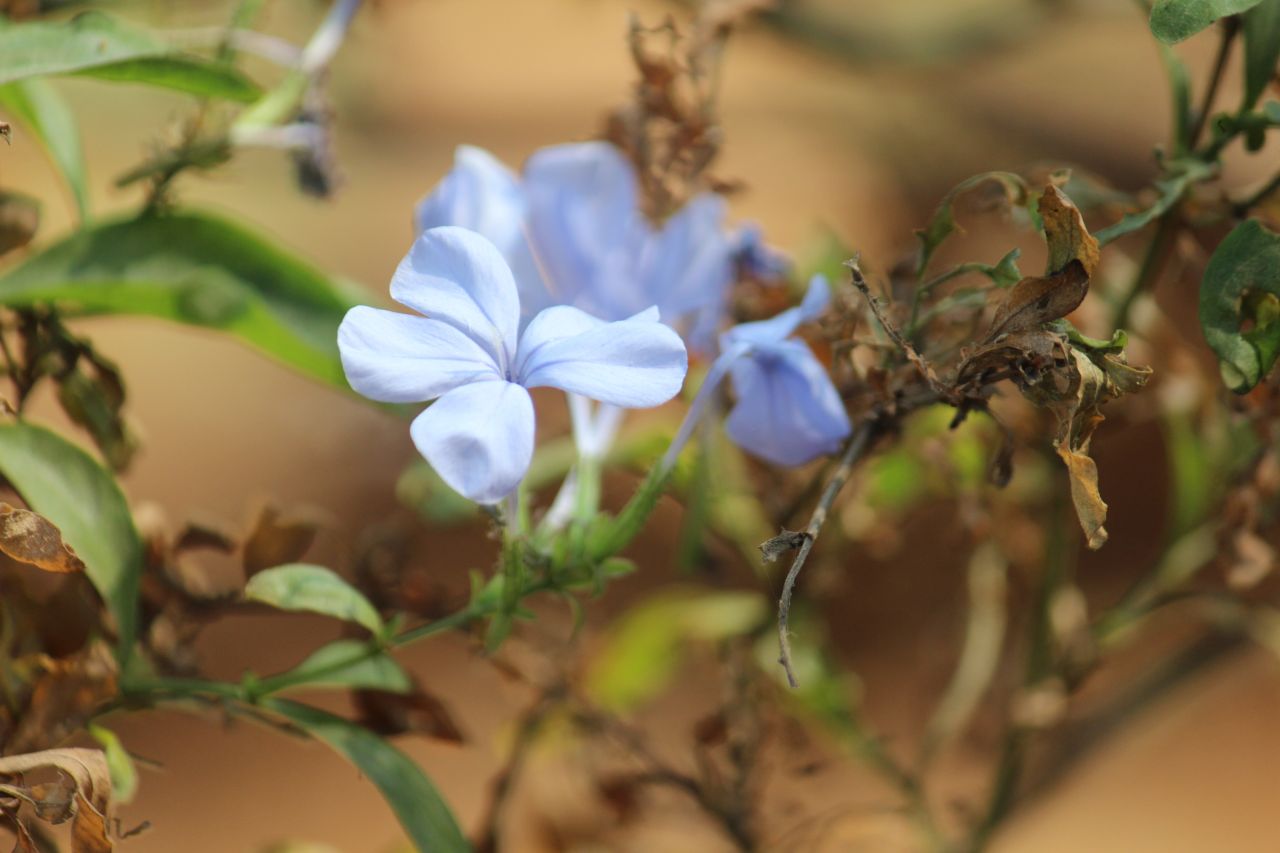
64,484
193,268
348,664
124,776
35,105
417,804
1175,20
1171,188
98,45
645,648
1241,283
1261,49
299,586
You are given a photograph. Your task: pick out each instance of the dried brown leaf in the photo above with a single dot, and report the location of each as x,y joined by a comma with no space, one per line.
83,793
1065,233
1035,301
277,539
32,539
65,697
418,712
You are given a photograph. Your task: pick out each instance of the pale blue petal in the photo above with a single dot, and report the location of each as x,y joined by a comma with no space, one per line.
459,277
483,195
480,194
781,327
479,438
583,221
402,358
816,299
631,363
688,264
788,411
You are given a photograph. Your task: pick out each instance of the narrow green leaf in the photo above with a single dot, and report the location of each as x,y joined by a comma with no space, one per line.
333,666
124,776
300,586
1241,284
193,268
101,46
1261,49
1170,189
66,485
422,812
35,105
1175,20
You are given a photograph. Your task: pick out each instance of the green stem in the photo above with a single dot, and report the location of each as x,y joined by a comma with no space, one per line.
1228,29
1152,264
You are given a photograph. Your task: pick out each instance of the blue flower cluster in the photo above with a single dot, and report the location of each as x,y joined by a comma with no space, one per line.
556,278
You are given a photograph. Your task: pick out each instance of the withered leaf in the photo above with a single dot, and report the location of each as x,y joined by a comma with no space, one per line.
66,696
19,220
83,794
1090,508
32,539
1065,233
418,712
276,539
1034,301
1079,414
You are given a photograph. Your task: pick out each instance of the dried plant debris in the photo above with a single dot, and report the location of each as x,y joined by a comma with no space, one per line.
1055,369
34,540
79,792
670,128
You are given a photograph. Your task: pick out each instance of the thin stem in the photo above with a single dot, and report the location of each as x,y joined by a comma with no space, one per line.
1228,29
1152,265
853,452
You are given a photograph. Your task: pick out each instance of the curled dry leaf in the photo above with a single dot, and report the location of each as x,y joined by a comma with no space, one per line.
276,539
65,695
417,712
1070,381
81,793
32,539
1079,414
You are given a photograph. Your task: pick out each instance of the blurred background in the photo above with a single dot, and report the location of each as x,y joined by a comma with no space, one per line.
839,117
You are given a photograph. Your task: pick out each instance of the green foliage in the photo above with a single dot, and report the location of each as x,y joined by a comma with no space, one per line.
35,104
97,45
66,485
314,589
1242,285
124,776
1261,31
349,664
417,804
193,268
1180,176
1175,20
645,647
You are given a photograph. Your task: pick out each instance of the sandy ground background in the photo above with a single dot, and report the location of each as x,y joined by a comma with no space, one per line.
862,145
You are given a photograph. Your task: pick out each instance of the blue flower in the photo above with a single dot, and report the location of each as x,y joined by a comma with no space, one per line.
788,411
470,352
574,234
